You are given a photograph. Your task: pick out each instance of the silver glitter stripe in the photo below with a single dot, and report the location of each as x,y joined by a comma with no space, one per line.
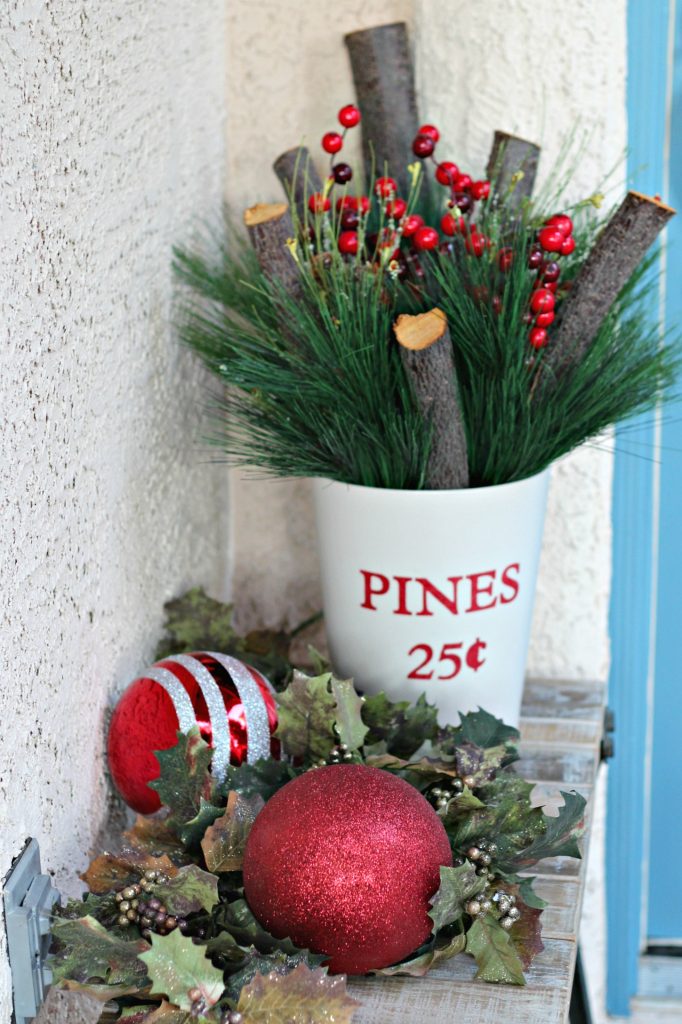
220,726
177,693
255,711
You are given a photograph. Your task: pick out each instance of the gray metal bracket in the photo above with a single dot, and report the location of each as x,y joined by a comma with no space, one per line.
28,897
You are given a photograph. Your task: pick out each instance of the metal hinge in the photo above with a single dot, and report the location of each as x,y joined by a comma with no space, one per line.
28,897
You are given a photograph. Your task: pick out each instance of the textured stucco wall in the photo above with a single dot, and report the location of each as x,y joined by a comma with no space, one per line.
112,142
536,70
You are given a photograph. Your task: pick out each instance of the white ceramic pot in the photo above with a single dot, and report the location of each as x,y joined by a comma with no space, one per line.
432,591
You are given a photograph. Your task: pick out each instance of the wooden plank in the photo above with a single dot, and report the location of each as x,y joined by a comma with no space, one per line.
570,766
557,699
571,732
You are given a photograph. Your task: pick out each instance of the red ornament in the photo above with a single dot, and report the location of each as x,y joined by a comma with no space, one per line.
348,243
385,187
423,146
396,208
344,860
562,223
568,247
318,203
542,301
411,223
538,337
425,238
332,142
232,704
349,116
446,172
430,130
480,189
551,239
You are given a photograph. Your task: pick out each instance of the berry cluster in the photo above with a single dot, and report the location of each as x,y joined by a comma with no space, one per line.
398,225
136,904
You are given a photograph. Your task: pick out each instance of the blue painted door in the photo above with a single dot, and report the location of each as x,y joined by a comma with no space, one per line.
644,831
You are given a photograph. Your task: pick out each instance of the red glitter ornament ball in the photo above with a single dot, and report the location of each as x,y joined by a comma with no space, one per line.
231,703
344,861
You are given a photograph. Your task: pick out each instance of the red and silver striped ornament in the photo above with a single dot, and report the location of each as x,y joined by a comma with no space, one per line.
232,704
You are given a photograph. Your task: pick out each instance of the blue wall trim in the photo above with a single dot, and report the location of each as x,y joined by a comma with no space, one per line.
629,620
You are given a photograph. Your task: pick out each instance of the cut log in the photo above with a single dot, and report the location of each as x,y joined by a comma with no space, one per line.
426,352
511,155
384,86
270,228
299,177
616,254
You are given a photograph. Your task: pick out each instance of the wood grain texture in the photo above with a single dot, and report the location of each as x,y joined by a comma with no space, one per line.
298,175
449,992
384,86
426,352
270,228
510,156
615,256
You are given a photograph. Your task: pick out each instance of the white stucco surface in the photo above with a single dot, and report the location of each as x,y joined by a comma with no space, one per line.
112,142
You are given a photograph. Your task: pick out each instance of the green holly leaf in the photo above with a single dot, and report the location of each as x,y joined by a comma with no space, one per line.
350,728
457,885
260,963
485,730
192,832
463,803
527,930
191,890
176,966
494,952
262,779
481,765
419,723
97,959
112,871
306,712
195,622
237,919
561,834
382,717
184,775
224,842
441,948
305,995
153,837
508,818
168,1014
528,894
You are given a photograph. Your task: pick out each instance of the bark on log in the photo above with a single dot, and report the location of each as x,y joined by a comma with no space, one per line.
426,352
270,227
384,86
510,155
299,177
616,254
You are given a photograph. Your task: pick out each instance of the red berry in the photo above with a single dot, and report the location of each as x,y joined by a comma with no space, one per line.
463,201
425,238
349,220
346,203
332,142
544,319
411,223
385,187
317,203
551,286
538,337
497,304
430,130
363,205
568,247
550,272
342,173
505,259
535,258
476,243
423,146
446,172
349,116
396,208
542,301
462,183
551,239
562,223
480,189
348,243
448,224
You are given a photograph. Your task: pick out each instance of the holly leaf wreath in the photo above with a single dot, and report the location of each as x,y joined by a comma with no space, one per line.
166,930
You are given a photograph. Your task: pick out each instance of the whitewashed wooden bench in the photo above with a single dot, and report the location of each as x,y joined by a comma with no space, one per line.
561,733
